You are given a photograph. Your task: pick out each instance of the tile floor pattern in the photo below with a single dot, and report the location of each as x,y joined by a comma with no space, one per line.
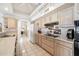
29,49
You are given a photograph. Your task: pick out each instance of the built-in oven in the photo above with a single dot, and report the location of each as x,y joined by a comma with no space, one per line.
70,34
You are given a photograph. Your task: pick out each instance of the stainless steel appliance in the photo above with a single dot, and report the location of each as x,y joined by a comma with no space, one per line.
76,37
70,33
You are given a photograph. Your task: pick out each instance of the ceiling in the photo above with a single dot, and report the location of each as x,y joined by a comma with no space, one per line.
24,8
20,8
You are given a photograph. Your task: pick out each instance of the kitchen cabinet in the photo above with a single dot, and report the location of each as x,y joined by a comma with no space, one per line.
77,12
48,44
46,19
39,22
54,17
54,46
40,39
10,22
65,16
63,49
42,22
36,39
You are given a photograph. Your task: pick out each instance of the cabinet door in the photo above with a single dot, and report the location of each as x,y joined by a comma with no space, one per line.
43,22
10,22
54,17
57,50
40,22
47,48
47,19
61,50
77,12
36,38
40,40
48,44
66,16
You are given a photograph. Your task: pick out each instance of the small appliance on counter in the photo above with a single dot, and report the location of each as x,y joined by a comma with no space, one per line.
39,31
76,38
70,34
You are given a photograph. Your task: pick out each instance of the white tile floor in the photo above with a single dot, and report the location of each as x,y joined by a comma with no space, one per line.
26,48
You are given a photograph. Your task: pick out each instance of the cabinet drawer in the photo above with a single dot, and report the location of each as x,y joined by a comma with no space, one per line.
47,48
70,45
48,42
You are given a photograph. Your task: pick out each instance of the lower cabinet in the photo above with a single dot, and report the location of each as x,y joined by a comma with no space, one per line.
53,46
48,44
62,50
40,39
36,39
48,48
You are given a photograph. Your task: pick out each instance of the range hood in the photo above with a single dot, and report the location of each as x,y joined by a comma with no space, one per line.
51,24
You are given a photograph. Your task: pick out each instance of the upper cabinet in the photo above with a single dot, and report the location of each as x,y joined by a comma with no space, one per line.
77,11
53,17
65,16
10,22
47,19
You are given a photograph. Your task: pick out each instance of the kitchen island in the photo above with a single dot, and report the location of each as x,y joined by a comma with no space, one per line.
7,46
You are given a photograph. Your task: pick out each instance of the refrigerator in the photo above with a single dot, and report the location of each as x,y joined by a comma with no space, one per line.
76,38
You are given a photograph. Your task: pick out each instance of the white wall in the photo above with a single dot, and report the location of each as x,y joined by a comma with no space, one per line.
2,21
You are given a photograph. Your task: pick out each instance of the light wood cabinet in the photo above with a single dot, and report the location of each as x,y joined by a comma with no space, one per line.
40,39
62,49
48,44
10,22
53,46
36,39
48,48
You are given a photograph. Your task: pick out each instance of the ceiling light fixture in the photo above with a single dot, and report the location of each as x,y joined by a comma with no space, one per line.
6,9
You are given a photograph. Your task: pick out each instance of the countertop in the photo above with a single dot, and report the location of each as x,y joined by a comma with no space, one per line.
7,46
59,38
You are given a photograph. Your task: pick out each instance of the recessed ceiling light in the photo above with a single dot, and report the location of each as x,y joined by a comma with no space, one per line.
6,9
